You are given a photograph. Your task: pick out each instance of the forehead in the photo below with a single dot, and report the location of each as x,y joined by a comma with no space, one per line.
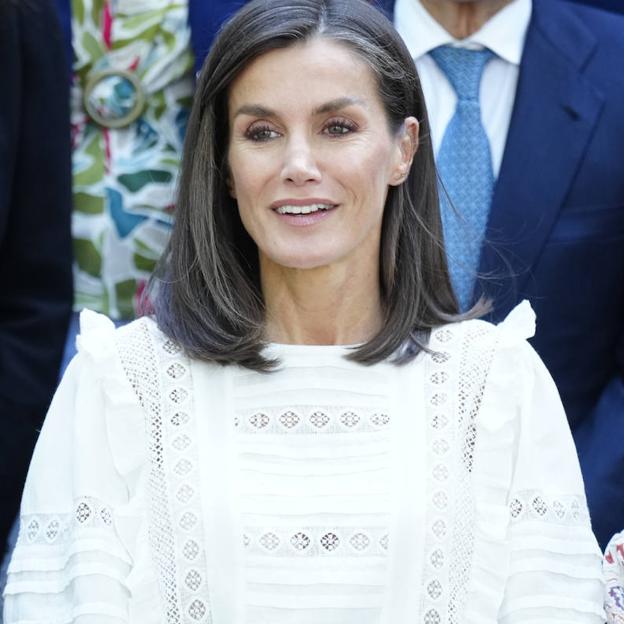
302,75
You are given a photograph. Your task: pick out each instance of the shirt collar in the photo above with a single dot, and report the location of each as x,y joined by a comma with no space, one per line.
504,33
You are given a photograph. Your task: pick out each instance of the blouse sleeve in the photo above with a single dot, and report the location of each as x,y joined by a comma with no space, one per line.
69,564
554,570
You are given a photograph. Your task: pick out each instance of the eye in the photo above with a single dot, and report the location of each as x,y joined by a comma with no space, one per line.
339,127
261,132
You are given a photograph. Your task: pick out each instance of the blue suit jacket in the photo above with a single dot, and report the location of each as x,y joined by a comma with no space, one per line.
556,227
558,218
556,230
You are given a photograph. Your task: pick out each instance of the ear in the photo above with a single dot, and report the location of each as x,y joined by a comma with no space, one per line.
407,145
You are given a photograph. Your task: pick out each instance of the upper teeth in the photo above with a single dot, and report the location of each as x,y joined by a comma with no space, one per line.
303,209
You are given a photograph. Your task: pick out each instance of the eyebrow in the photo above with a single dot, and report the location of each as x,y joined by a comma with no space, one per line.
256,110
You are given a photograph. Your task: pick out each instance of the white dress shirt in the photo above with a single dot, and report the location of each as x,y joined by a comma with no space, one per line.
504,34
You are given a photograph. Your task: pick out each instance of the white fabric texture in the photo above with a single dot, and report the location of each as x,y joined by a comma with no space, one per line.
165,490
504,33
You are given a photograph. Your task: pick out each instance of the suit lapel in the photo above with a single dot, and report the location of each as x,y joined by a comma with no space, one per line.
554,114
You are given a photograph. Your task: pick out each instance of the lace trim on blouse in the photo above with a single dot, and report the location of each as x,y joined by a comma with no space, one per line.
89,513
160,375
317,541
456,371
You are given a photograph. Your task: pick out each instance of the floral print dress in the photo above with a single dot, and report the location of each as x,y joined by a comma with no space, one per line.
132,64
614,578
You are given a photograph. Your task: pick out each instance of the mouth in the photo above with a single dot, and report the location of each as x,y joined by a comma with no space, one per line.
303,212
305,209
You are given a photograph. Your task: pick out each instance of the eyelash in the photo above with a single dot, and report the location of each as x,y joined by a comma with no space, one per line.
345,124
255,132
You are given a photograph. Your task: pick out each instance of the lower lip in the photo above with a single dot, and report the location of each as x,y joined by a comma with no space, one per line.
302,220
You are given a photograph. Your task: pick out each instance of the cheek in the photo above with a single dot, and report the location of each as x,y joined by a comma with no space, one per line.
250,174
382,162
245,182
250,195
370,174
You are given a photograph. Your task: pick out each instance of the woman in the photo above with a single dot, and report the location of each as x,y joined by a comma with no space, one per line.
307,432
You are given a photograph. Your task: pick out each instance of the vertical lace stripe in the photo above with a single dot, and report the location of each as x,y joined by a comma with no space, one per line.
160,375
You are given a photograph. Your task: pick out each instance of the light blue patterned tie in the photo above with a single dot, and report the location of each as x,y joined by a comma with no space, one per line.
465,166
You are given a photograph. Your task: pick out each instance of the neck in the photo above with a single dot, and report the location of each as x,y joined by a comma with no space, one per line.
463,18
330,305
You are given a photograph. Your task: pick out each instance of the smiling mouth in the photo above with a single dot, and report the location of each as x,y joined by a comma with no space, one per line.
303,210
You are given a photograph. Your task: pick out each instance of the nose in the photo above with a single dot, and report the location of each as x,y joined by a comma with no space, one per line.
300,165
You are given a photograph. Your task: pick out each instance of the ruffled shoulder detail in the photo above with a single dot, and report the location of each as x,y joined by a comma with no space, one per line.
147,383
533,540
496,437
472,431
96,333
98,342
518,326
109,351
84,523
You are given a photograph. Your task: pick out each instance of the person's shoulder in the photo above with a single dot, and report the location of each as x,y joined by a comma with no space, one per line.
135,342
514,330
98,329
479,350
137,352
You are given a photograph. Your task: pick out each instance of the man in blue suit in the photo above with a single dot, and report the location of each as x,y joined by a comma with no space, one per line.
555,225
555,229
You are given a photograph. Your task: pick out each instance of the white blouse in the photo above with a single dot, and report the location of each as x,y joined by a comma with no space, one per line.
171,491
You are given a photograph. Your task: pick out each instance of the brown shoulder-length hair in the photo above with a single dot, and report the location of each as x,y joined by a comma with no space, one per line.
206,291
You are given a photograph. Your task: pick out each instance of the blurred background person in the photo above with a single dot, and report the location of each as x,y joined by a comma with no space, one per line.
544,153
35,242
130,97
613,567
211,15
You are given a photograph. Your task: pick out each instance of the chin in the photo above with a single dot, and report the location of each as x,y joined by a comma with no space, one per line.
303,261
304,264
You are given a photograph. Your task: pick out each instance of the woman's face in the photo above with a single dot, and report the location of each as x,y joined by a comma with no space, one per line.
311,155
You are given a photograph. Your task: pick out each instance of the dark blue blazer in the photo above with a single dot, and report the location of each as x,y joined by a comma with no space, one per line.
557,219
608,5
556,229
35,233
